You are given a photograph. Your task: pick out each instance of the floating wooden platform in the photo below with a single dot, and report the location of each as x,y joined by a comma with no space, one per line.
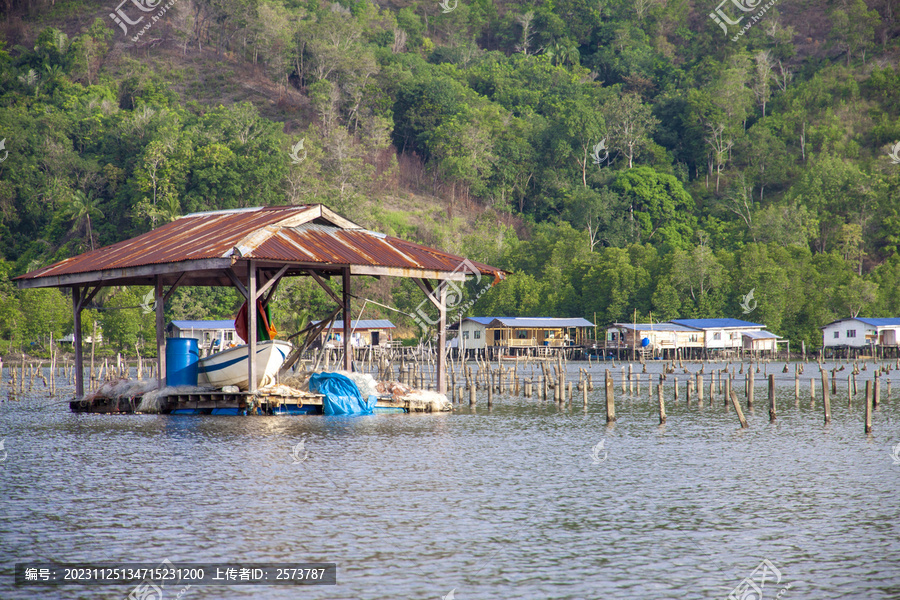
240,403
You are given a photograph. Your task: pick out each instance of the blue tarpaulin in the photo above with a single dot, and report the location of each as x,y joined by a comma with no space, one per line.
342,395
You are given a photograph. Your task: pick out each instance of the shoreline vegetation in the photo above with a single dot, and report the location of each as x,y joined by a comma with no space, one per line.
625,163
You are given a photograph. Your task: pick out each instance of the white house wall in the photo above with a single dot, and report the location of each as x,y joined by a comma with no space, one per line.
471,343
842,327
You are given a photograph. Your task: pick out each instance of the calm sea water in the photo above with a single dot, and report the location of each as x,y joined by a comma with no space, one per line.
519,501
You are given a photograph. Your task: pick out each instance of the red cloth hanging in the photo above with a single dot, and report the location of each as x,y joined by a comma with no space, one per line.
265,330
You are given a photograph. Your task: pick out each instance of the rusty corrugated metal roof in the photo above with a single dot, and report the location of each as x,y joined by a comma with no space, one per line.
298,234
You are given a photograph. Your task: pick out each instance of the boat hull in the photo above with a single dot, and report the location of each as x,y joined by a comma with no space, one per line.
230,366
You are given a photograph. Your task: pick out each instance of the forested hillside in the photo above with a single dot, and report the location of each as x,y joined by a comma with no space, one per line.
622,158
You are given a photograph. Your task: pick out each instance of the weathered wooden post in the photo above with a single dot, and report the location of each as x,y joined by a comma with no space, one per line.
868,407
812,388
876,392
676,389
737,409
796,384
662,402
771,397
471,395
855,389
728,388
584,394
750,382
490,390
624,389
849,392
688,388
699,387
569,395
610,400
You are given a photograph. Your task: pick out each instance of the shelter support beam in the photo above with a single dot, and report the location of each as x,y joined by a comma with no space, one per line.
79,358
229,272
271,284
439,299
251,327
345,303
161,297
442,344
160,334
81,297
324,286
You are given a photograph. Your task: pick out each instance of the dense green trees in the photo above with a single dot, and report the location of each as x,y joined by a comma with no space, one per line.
638,159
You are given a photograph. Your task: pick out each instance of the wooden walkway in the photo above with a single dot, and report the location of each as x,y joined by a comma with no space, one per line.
240,403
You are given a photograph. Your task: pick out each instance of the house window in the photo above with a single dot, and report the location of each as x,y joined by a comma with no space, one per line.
465,335
717,336
837,334
477,335
851,333
522,334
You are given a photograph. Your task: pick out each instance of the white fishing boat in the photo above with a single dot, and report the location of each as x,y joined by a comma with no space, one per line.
229,367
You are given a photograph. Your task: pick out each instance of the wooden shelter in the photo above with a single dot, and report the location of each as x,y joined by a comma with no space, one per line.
252,249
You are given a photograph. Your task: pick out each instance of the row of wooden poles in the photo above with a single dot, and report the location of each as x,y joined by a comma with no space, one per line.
29,371
502,379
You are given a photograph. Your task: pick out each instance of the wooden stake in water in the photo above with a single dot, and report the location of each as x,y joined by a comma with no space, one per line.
610,399
737,409
699,387
868,407
662,402
826,391
750,383
676,389
771,397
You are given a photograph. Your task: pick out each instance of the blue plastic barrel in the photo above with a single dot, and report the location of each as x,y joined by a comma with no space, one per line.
182,356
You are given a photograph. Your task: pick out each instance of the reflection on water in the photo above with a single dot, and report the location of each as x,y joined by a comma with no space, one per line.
510,502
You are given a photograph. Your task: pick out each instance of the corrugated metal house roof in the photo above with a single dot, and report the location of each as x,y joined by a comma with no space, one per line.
312,236
183,325
362,324
760,335
481,320
715,323
879,322
654,326
539,322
